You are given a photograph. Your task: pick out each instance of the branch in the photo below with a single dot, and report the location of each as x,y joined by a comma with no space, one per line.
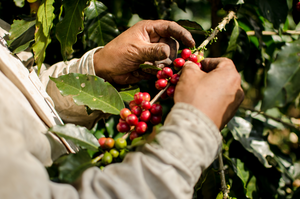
288,32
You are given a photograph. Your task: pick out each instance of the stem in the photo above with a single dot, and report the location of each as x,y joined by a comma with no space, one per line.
288,32
96,159
222,175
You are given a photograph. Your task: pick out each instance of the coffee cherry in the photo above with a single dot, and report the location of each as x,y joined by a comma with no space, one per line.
298,6
146,96
123,127
174,79
159,75
114,153
164,95
200,65
132,104
156,109
193,58
146,105
200,58
101,142
178,62
132,120
170,91
109,143
136,110
133,135
123,153
120,143
161,84
145,116
185,53
141,127
138,98
122,121
124,113
155,119
167,72
107,158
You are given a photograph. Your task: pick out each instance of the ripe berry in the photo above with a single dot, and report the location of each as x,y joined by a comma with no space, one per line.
174,79
193,58
132,120
164,95
298,6
109,143
145,116
178,62
138,98
170,91
141,127
121,143
161,84
133,135
146,105
124,113
200,65
101,142
146,96
123,127
159,75
185,53
155,119
122,121
107,158
114,153
167,72
136,110
132,104
156,109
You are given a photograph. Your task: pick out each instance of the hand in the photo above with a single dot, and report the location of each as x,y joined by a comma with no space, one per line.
216,91
145,41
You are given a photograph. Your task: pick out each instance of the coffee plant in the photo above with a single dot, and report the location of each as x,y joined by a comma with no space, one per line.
261,153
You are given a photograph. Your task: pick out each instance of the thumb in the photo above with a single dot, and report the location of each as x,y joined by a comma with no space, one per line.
155,51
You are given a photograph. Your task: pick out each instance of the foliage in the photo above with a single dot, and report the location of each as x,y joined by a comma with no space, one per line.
261,146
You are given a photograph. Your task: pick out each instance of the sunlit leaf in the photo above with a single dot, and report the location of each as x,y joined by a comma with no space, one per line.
128,95
45,15
21,32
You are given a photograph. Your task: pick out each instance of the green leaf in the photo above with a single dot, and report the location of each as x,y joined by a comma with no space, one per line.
91,91
283,78
74,165
242,173
275,11
232,44
232,2
71,25
128,95
19,28
145,66
190,25
100,27
45,15
19,3
79,135
23,47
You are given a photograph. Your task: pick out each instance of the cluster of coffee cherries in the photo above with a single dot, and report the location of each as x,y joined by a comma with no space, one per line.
141,112
115,150
186,55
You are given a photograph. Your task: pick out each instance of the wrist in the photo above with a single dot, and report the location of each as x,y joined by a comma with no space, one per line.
100,65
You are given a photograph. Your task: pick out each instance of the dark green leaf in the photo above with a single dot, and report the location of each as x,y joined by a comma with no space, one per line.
149,66
23,47
275,11
71,25
19,28
181,4
232,2
232,44
79,135
190,25
74,165
283,78
128,95
100,27
91,91
111,124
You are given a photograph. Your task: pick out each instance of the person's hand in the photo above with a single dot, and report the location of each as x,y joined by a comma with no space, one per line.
145,41
216,91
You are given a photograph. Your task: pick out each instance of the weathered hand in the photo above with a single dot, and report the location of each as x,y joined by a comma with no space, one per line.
145,41
216,90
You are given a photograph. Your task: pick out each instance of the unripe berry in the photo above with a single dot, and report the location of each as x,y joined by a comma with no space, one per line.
178,62
174,79
124,113
136,110
146,105
156,109
193,58
120,143
170,91
132,104
161,84
132,120
138,98
123,153
167,72
145,116
109,143
101,142
185,53
114,153
155,119
200,58
123,127
146,96
141,127
107,158
133,135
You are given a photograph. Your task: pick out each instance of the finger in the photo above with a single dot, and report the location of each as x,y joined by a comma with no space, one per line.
209,64
189,70
174,46
154,51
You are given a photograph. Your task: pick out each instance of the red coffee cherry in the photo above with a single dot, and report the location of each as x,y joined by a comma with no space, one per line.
132,120
101,142
146,105
132,104
124,113
170,91
109,143
123,127
185,53
159,75
136,110
141,128
156,109
145,116
193,58
164,95
155,119
161,84
298,6
167,72
174,79
133,135
138,98
200,65
178,62
146,96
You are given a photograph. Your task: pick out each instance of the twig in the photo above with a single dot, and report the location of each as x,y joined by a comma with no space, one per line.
222,175
287,32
